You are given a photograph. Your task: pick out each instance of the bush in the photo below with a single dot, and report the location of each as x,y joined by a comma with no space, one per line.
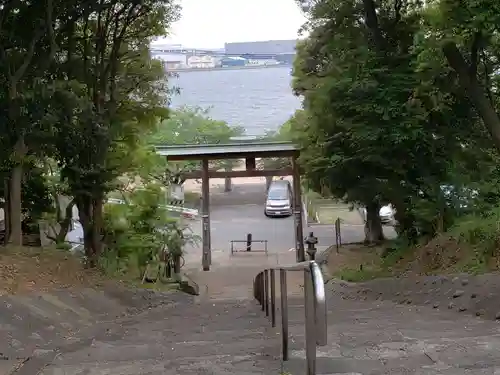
137,231
480,231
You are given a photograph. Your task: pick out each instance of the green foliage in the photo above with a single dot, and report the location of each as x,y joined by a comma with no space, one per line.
37,199
192,126
136,232
79,91
384,119
480,231
283,134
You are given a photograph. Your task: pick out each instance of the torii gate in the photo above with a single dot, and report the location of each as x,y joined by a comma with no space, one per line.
249,151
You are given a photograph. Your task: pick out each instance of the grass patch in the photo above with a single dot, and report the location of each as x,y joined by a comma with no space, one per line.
328,210
357,263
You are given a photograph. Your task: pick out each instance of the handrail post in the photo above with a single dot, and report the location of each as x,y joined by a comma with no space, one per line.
263,289
273,298
266,287
315,309
311,327
284,315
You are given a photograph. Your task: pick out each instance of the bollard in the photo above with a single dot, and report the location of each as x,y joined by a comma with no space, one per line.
249,242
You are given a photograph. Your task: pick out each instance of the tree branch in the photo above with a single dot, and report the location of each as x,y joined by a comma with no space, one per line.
18,74
474,90
372,24
474,55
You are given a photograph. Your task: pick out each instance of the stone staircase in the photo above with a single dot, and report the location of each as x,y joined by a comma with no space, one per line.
35,328
119,332
139,332
224,337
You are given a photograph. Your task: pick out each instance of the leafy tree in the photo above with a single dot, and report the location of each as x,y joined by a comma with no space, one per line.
25,52
374,131
113,92
283,134
467,34
193,126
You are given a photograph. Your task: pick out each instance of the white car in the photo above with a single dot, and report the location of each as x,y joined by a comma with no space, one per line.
386,214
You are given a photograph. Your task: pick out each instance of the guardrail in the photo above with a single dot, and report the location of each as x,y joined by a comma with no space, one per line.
314,306
187,212
248,246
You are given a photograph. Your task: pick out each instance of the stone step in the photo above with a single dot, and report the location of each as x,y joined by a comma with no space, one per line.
207,338
112,351
227,364
27,327
42,320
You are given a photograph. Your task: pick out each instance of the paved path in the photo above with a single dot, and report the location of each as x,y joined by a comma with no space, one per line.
241,211
371,338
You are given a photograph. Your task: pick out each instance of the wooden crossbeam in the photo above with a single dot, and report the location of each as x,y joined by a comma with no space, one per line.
233,174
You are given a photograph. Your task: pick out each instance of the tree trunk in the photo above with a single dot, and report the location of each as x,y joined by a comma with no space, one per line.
373,226
227,185
474,90
97,224
85,213
15,206
65,223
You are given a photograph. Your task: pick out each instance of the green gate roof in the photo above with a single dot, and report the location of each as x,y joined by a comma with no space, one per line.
234,150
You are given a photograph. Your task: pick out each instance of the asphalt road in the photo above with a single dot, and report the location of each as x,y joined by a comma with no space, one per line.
241,211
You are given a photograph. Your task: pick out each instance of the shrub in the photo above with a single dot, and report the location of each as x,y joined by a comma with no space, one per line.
137,231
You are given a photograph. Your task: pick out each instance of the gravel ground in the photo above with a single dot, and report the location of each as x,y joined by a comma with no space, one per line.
467,294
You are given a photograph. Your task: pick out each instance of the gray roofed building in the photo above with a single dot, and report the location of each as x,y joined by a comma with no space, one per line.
262,47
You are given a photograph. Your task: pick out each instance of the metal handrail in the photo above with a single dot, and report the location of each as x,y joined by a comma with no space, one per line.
314,303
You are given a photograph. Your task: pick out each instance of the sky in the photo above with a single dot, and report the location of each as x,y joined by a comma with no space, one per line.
211,23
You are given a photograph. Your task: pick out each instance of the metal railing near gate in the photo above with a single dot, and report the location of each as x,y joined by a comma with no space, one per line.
248,246
314,305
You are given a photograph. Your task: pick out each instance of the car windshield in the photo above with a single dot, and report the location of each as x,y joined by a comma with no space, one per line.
277,195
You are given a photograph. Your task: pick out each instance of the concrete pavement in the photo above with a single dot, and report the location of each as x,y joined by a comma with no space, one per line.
375,338
241,211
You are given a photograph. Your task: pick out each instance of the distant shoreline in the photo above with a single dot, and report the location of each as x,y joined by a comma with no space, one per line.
190,70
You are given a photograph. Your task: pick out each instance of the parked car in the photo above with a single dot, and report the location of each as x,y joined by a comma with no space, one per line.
386,214
279,199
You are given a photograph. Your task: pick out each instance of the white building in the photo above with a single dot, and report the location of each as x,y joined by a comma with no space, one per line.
201,62
263,62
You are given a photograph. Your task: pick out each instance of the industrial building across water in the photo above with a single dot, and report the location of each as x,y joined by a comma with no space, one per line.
234,55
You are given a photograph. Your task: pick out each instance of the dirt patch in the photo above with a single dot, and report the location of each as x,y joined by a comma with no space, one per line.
467,294
26,269
427,275
446,254
442,255
31,271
